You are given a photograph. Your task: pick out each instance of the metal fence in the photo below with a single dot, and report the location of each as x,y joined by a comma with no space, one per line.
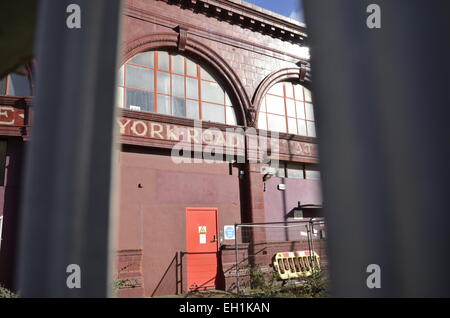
257,245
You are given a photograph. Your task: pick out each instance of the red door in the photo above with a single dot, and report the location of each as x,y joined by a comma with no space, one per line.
202,247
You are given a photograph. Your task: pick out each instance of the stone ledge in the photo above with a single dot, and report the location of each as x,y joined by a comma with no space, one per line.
248,16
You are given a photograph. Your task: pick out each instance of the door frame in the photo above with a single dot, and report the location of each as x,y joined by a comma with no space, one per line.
216,210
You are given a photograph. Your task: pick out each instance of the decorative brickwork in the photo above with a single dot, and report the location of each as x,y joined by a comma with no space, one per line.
129,280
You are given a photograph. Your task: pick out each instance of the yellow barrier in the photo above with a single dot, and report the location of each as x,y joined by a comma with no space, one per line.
296,264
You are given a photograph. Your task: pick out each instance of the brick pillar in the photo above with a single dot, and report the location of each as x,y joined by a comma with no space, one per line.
255,190
255,204
129,281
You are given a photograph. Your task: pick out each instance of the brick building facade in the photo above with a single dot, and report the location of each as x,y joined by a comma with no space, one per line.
195,74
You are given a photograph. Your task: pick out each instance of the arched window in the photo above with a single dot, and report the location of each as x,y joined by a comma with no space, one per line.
288,108
159,82
16,83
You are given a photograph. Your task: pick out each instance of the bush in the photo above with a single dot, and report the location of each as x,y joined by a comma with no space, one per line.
125,282
268,284
314,286
264,284
6,293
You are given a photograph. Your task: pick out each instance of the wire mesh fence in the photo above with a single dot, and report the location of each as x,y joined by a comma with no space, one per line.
278,252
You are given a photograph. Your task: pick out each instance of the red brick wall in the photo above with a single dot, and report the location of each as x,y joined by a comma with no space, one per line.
129,279
153,216
251,54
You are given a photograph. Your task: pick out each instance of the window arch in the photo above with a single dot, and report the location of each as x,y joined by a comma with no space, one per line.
172,84
16,83
287,107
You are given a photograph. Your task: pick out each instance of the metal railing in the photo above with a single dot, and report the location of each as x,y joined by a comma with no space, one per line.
256,245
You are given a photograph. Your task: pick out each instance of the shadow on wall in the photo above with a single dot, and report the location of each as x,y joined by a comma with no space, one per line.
172,278
166,282
220,276
279,204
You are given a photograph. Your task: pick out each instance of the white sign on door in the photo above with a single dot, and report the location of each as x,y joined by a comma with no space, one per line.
202,238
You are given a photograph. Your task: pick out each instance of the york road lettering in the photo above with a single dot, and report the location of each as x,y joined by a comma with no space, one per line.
214,138
170,132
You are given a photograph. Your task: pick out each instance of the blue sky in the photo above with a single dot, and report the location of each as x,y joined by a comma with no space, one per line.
289,8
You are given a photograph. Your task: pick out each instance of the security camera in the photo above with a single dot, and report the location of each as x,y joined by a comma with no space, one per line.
266,170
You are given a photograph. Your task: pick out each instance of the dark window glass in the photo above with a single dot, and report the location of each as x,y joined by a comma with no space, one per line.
140,100
179,107
288,108
3,86
192,108
205,75
175,80
191,68
212,92
312,172
178,85
191,87
163,82
164,104
139,77
120,77
298,170
119,97
276,123
231,116
178,64
213,112
18,85
295,170
145,59
163,60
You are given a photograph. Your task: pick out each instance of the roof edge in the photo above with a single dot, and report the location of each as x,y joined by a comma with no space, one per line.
248,16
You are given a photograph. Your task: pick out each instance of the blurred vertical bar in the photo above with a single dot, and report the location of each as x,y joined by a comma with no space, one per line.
383,111
68,184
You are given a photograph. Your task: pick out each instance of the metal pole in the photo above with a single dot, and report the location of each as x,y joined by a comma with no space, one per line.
68,183
382,107
282,224
308,231
312,246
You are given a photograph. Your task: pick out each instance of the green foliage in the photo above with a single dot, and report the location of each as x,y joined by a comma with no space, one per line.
264,284
6,293
257,277
268,284
124,283
210,294
314,286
